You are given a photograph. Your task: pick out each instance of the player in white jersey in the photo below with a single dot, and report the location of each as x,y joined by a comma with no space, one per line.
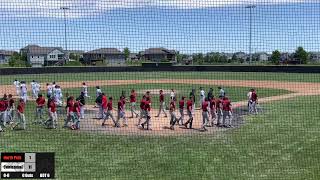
49,90
98,91
16,84
38,88
24,90
202,96
33,88
85,90
58,96
172,94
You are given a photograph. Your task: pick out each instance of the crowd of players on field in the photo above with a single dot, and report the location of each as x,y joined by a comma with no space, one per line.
216,111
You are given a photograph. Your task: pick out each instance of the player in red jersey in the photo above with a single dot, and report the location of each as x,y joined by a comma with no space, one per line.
173,117
181,110
190,106
52,122
21,120
40,101
104,102
108,113
3,112
121,112
147,109
162,104
227,112
142,109
133,101
213,111
75,116
10,109
253,102
69,108
205,113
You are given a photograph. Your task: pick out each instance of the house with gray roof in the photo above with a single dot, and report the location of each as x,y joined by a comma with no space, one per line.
5,56
38,56
106,55
159,54
314,56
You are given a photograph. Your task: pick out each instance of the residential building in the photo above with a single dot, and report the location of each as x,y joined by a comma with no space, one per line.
44,56
106,55
261,56
241,55
5,56
158,55
314,56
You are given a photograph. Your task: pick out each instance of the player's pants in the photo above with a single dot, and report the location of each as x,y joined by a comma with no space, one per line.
24,96
67,120
49,95
39,113
214,116
181,119
122,115
100,113
148,120
2,118
21,120
75,119
143,114
86,94
205,118
34,93
133,109
253,107
18,91
10,115
58,100
173,118
227,115
82,112
161,109
190,120
219,117
52,122
202,99
108,115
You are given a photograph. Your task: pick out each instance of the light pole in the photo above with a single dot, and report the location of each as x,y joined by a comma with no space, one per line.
65,25
250,7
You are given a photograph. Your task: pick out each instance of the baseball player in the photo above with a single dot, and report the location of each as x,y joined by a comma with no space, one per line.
5,105
69,108
147,109
142,109
190,106
227,112
202,96
10,109
181,109
85,90
213,111
37,88
21,120
98,91
108,113
219,111
162,104
253,102
205,113
3,113
222,93
49,90
99,105
33,89
52,122
172,94
58,95
210,94
193,96
40,101
75,116
24,91
103,105
82,103
249,98
121,112
133,100
16,84
173,117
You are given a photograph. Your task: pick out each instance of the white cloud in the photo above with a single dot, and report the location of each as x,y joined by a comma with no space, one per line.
80,8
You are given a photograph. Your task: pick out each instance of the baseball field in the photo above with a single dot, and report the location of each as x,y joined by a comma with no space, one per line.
281,142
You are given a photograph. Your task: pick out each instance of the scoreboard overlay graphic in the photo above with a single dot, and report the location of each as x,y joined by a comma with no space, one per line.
27,165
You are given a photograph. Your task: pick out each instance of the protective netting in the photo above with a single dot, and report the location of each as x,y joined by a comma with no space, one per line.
133,115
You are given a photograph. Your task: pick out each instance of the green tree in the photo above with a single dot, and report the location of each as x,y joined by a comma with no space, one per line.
275,57
126,52
234,58
302,55
16,60
74,56
199,58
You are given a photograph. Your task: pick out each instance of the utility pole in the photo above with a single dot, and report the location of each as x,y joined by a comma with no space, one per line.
65,26
250,7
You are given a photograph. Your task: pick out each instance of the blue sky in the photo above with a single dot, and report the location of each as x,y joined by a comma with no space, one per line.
186,27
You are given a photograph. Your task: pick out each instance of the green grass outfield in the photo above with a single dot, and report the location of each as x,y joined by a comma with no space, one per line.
71,77
283,143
